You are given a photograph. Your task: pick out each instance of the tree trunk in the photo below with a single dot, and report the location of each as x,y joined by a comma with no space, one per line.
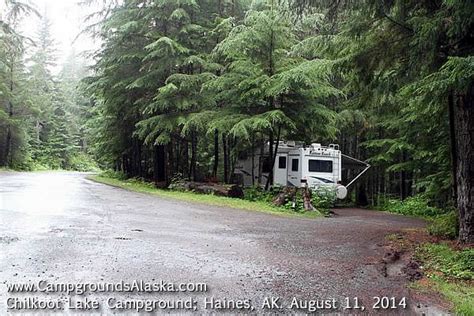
452,138
192,165
170,171
403,193
216,153
270,152
139,159
260,162
8,144
273,159
464,129
232,159
226,159
159,164
185,162
253,160
307,203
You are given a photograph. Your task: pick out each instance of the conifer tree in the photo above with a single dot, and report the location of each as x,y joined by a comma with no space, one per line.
14,105
269,90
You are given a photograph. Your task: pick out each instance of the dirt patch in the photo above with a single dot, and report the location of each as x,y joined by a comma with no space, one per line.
399,258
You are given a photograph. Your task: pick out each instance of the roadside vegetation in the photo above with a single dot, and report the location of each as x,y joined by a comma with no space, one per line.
322,200
447,268
448,271
78,161
251,202
443,222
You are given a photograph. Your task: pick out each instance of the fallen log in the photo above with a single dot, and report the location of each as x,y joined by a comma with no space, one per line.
228,190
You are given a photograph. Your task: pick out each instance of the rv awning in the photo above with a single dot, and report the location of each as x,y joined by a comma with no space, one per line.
352,163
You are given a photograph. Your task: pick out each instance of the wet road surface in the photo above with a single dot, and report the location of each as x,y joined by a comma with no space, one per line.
61,227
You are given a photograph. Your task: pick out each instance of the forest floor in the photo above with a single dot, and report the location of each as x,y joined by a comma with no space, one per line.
62,227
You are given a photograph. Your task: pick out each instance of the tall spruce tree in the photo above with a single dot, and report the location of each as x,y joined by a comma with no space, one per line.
270,90
14,105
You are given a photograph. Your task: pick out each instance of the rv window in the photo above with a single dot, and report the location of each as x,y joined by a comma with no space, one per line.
294,164
266,164
242,155
282,162
319,166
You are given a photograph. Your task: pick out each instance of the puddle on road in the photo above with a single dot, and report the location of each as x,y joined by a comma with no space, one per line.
32,202
56,230
123,238
7,239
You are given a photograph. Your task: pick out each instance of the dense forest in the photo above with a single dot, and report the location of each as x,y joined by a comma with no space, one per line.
41,114
186,87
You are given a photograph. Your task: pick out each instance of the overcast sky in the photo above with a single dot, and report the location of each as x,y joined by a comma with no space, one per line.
67,21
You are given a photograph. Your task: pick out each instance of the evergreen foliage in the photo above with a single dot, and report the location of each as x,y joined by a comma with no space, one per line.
39,116
189,86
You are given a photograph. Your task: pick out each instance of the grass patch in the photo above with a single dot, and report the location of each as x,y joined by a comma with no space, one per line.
144,187
449,272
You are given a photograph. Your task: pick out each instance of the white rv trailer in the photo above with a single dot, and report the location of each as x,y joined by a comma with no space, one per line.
298,165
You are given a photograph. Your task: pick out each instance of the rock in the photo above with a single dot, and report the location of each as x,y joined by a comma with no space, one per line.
412,271
391,256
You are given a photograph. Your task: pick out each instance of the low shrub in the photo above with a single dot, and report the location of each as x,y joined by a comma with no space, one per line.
256,193
445,226
295,204
82,162
39,166
323,199
455,264
413,206
177,182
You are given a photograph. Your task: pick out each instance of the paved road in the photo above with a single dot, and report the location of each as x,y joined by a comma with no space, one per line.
61,227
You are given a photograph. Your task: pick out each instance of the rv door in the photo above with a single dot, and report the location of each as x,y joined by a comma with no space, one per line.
294,170
280,169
